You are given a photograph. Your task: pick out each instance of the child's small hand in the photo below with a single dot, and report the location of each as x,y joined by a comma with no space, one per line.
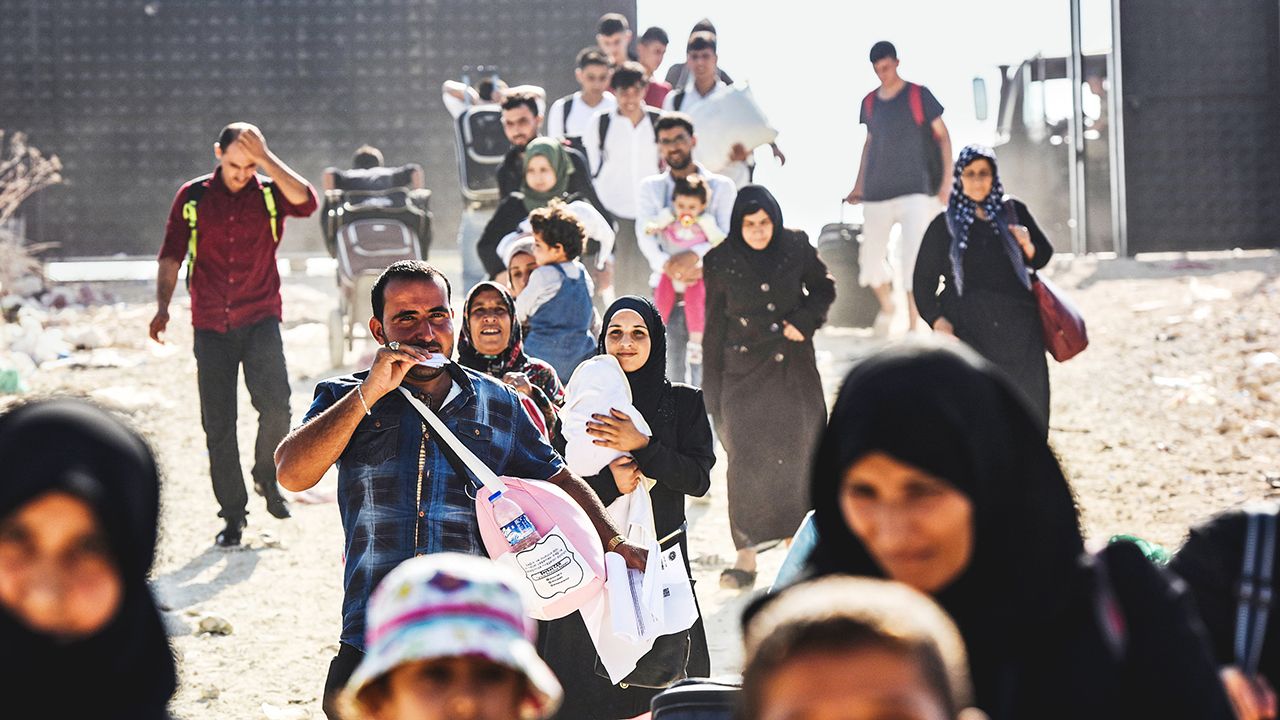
791,333
626,474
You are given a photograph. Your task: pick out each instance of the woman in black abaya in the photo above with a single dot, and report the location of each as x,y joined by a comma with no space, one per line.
80,634
678,458
933,472
767,293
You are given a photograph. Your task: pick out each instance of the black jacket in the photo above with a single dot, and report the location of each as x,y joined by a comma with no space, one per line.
511,178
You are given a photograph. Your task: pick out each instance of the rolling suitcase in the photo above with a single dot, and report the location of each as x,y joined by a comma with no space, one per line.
698,699
838,244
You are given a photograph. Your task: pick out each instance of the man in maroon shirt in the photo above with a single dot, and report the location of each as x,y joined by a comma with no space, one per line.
227,226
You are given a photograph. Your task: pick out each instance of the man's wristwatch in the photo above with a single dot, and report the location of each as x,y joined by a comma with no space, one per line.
615,541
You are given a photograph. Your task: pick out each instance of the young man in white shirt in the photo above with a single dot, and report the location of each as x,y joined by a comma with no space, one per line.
676,142
568,116
622,150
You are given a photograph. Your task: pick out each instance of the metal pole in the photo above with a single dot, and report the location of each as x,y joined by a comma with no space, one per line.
1076,173
1115,110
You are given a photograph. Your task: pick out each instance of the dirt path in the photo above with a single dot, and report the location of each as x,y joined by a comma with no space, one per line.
1168,416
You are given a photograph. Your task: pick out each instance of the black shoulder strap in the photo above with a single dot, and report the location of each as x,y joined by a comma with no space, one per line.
1255,589
653,121
195,190
677,100
605,120
1108,611
564,114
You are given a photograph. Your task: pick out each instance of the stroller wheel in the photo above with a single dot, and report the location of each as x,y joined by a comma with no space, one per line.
337,337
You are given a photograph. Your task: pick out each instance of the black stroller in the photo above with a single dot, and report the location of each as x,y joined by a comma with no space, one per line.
372,219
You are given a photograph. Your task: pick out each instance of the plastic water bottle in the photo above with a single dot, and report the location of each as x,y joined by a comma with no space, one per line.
516,526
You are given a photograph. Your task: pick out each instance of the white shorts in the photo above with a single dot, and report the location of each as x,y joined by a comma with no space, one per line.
913,213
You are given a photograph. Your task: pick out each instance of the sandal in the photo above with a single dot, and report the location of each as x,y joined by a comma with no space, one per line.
737,579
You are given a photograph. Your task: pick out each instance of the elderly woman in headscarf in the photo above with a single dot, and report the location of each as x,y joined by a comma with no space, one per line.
767,293
933,472
981,251
491,342
79,630
547,169
678,458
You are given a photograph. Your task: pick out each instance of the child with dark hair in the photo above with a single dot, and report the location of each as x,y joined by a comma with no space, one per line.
854,648
556,304
686,226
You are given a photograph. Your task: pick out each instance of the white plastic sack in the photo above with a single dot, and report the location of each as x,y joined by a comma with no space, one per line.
637,608
730,117
597,386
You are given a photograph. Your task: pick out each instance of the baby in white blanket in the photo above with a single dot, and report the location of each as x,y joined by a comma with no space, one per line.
597,386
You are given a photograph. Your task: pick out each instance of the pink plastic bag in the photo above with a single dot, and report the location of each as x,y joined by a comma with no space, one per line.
562,580
565,569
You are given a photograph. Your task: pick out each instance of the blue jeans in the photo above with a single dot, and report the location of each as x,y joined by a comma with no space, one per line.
679,369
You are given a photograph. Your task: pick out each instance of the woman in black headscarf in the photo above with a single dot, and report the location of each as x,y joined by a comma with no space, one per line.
767,292
981,252
933,472
678,457
492,342
79,631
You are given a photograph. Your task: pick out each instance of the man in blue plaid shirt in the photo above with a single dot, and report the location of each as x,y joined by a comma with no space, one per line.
399,495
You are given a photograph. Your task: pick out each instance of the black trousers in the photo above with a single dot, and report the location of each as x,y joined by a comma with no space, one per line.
259,349
341,668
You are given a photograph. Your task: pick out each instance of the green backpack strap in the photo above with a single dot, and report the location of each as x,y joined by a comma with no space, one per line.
195,191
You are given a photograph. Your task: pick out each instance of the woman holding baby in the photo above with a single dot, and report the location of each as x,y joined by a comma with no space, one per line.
677,458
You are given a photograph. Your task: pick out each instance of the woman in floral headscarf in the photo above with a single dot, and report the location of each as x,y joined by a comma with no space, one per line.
982,252
491,342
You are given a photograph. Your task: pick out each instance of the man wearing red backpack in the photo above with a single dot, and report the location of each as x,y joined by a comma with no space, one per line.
901,178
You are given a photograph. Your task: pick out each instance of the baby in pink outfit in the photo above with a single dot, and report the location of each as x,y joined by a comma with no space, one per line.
678,231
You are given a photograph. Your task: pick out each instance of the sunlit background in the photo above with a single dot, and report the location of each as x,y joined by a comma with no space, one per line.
807,65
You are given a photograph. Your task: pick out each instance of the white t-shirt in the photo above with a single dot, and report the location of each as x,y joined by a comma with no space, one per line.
630,155
579,115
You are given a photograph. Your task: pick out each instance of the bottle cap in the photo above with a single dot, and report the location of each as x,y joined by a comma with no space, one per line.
495,496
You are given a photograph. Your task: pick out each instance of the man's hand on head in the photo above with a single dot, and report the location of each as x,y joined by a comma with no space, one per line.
252,142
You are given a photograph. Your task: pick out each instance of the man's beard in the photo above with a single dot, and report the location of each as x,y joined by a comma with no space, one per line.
687,159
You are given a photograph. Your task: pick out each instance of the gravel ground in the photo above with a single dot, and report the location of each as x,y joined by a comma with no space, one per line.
1169,416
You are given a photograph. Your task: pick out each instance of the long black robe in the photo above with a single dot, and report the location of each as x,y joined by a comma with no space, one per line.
764,390
679,458
996,315
1028,603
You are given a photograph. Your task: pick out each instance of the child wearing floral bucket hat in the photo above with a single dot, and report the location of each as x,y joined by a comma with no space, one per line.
448,637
